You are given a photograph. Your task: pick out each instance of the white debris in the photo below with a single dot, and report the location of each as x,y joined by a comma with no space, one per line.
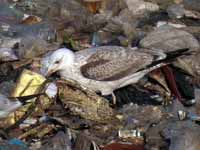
51,90
138,7
161,23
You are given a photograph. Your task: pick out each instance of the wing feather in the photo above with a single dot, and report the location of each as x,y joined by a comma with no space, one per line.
111,63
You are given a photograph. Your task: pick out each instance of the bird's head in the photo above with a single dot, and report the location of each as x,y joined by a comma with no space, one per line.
59,60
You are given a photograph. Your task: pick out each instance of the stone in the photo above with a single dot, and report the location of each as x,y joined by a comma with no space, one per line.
169,39
135,116
182,135
139,7
61,141
175,11
192,4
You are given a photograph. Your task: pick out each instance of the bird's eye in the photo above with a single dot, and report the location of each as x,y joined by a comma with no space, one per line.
57,62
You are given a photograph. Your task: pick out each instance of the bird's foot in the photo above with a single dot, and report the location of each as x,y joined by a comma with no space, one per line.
167,101
162,95
162,99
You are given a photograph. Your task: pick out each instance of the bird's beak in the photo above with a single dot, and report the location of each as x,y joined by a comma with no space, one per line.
50,72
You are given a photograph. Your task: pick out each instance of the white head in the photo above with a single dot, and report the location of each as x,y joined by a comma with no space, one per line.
59,60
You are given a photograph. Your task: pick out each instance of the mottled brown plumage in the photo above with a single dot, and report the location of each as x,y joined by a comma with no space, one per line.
114,64
105,68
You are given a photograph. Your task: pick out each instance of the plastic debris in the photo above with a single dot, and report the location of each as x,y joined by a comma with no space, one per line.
18,142
183,115
13,144
29,83
130,134
51,90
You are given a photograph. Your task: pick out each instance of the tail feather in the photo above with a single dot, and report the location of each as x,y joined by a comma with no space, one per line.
177,53
170,56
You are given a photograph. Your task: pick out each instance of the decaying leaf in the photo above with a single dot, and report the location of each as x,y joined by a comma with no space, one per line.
31,19
93,5
84,103
43,128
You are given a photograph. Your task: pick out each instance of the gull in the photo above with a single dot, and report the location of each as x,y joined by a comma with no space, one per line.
8,106
105,68
7,54
11,104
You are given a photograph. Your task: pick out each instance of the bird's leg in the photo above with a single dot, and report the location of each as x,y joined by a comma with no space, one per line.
114,99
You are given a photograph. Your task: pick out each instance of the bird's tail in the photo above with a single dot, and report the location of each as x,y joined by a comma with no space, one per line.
175,54
170,57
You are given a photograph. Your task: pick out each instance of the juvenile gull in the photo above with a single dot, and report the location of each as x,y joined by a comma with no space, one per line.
7,106
11,104
104,69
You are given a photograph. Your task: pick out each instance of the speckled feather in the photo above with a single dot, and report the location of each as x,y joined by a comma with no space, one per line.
104,68
109,64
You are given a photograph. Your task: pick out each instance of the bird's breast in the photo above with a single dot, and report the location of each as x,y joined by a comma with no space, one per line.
74,74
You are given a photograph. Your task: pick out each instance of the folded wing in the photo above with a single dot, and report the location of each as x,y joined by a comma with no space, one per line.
111,63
